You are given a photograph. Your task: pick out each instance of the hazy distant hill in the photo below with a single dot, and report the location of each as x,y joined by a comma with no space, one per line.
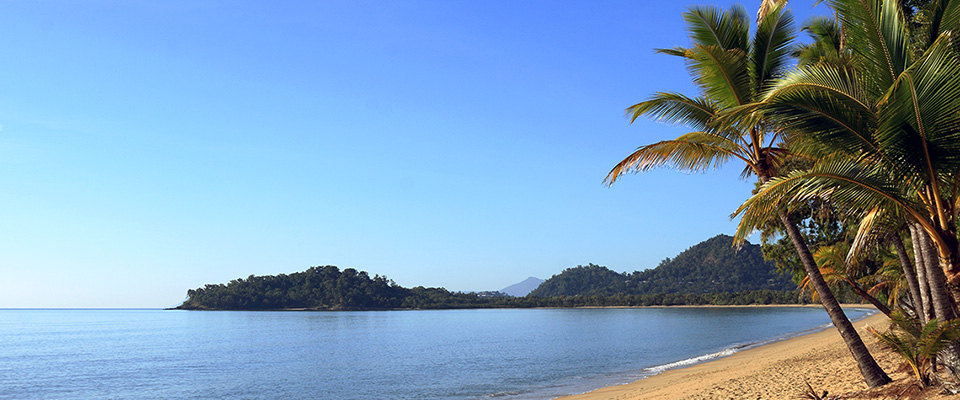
523,288
711,266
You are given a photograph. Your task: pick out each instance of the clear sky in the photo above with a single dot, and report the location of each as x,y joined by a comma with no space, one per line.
150,147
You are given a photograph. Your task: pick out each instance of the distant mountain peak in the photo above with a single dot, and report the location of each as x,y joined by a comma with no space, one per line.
522,288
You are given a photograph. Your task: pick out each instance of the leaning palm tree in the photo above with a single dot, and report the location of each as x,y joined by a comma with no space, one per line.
732,71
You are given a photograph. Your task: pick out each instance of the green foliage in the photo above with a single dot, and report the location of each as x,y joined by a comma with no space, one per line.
589,280
918,343
318,287
712,266
329,288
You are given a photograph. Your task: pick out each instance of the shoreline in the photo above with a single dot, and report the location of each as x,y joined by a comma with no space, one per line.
776,370
518,308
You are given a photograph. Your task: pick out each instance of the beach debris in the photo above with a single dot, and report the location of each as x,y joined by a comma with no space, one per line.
808,392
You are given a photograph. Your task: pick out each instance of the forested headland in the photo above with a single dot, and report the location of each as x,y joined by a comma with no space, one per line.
712,266
710,273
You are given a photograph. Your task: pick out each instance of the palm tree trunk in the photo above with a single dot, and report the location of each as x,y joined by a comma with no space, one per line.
943,304
927,304
872,300
871,371
908,272
939,296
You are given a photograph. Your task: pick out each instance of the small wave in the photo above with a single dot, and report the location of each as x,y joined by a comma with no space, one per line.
507,393
731,350
694,360
866,312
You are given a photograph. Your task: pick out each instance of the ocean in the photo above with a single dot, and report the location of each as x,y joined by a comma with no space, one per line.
510,354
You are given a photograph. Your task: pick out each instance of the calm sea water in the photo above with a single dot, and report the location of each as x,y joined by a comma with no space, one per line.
456,354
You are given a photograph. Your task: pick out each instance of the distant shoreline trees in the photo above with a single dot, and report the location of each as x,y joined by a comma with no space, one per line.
328,288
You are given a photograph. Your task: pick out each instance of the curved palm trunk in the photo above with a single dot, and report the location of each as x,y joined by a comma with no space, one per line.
871,371
872,300
909,273
927,305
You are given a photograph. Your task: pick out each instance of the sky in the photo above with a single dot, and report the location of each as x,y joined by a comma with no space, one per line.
151,147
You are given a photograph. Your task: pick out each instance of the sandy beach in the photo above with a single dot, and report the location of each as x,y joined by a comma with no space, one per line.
777,371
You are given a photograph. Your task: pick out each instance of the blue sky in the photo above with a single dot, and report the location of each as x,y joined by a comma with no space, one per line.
152,147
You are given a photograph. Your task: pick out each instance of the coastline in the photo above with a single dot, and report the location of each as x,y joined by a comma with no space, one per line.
178,308
776,370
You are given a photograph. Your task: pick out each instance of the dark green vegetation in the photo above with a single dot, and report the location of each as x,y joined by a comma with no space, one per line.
712,266
323,288
711,272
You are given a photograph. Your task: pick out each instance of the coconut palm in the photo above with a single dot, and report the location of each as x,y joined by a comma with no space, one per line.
891,129
891,126
732,72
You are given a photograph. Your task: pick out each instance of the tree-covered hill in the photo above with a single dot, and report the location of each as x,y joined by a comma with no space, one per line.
583,280
712,266
322,288
708,273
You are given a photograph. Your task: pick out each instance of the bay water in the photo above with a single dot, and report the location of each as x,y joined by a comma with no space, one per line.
510,354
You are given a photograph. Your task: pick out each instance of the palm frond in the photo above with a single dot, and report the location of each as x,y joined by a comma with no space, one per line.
825,46
877,34
710,26
676,108
676,51
846,182
945,19
936,336
766,6
693,152
919,123
864,233
826,104
770,52
722,75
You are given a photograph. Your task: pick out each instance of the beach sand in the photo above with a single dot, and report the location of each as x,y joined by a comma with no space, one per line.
777,371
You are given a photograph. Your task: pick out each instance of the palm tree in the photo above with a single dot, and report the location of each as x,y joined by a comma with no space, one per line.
891,125
732,72
828,47
891,129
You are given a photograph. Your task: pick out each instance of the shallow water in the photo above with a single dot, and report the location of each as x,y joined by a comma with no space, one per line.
450,354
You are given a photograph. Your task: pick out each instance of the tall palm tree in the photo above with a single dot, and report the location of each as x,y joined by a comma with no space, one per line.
732,71
828,47
892,126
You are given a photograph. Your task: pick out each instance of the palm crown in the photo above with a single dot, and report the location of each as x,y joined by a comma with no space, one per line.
731,70
890,126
